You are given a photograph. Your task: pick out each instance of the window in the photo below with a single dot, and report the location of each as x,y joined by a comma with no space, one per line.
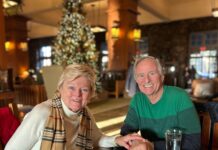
44,57
205,63
104,56
204,53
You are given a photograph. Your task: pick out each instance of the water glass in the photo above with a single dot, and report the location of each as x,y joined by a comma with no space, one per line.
173,139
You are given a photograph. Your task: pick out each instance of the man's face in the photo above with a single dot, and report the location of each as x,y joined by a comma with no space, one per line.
148,78
76,93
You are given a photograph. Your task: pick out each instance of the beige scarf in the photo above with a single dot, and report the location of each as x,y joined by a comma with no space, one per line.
54,134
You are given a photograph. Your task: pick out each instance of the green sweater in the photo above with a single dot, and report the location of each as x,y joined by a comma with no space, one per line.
173,110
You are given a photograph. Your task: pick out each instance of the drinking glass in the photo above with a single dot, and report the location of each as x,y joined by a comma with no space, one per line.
173,139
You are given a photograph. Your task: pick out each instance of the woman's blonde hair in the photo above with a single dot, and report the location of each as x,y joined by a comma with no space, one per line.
75,71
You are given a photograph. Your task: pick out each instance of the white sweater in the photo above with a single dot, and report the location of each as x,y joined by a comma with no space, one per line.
28,136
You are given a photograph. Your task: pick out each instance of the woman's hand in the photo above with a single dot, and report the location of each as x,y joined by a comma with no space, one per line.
142,145
126,141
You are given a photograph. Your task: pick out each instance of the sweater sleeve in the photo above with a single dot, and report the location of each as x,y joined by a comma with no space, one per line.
131,124
190,124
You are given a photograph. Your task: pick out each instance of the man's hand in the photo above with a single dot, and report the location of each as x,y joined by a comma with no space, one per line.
126,140
142,145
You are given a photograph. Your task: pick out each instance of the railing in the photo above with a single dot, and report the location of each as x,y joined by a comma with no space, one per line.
30,94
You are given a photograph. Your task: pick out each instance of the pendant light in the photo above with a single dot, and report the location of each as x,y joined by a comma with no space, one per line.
96,15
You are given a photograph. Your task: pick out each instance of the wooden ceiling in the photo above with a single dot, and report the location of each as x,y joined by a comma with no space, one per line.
45,15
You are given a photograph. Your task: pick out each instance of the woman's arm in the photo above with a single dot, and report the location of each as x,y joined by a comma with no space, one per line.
28,134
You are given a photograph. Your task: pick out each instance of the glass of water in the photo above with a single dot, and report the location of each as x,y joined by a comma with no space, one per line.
173,139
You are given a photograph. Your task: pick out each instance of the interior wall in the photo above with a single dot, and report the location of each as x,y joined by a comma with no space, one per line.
16,32
169,41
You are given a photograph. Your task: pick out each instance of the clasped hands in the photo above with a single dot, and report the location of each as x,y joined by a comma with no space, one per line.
134,142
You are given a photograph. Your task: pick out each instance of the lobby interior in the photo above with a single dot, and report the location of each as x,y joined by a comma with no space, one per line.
182,34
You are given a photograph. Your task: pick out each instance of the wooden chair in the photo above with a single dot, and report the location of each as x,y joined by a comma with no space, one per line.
119,88
205,129
51,75
212,108
30,94
215,137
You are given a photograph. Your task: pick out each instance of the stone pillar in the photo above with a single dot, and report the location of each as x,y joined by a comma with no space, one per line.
123,49
3,59
16,31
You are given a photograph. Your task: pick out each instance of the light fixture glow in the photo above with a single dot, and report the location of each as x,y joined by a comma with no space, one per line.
115,31
136,34
98,28
215,12
23,46
96,15
9,45
9,3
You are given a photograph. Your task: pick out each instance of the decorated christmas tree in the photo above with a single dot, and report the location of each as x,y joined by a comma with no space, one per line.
75,42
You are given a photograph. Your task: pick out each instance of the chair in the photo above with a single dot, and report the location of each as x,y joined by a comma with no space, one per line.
212,108
119,88
30,94
8,126
51,75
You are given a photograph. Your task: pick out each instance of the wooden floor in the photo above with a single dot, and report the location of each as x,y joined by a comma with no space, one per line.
110,114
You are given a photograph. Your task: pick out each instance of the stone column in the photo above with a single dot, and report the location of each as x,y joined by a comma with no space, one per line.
123,49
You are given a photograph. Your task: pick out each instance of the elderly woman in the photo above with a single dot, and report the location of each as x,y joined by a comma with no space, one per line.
65,122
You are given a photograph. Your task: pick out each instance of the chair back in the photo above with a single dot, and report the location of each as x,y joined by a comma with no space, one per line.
8,126
51,75
212,108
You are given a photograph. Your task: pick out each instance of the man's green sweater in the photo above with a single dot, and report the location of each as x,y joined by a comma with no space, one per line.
173,110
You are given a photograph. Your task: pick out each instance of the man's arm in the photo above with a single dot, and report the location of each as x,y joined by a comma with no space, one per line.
127,129
189,122
191,141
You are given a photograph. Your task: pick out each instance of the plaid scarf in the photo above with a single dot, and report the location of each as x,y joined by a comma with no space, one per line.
54,134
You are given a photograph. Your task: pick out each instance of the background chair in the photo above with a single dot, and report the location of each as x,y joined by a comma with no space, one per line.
8,126
119,88
212,108
51,75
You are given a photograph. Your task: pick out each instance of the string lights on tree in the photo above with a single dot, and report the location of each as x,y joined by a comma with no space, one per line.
75,42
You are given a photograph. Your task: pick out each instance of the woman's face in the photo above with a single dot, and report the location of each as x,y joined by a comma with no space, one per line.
76,93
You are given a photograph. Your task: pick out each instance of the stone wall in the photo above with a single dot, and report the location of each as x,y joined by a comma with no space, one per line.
170,41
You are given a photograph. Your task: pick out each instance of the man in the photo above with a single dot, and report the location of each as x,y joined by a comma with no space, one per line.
158,107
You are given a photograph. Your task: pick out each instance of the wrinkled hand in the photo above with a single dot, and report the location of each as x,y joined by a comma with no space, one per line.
142,145
126,140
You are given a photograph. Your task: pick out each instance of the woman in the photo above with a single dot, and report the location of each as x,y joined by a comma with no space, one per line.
65,122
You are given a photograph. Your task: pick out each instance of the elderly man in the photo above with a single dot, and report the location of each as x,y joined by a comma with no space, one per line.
158,107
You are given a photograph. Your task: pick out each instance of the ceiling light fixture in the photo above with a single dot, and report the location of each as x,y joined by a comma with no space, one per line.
215,12
214,8
97,28
9,3
12,7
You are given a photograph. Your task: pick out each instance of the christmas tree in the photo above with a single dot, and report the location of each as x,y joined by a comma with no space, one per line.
75,42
